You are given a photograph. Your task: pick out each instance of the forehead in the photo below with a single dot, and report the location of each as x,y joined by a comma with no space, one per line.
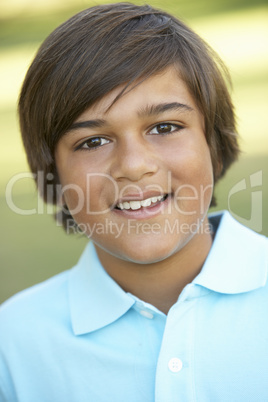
162,88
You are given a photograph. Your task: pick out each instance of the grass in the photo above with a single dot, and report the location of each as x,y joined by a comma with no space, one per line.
32,247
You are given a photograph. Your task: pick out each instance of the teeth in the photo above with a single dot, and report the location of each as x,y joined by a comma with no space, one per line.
147,202
134,205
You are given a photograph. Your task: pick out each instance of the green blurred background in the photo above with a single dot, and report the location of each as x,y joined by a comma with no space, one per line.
32,247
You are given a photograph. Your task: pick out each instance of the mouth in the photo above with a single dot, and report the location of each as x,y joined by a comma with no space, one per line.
135,205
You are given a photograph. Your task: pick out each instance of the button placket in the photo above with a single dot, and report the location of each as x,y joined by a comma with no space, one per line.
174,368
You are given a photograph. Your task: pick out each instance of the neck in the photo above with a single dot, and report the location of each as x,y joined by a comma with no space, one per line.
159,283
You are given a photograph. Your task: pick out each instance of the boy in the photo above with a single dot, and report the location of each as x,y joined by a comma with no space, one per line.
126,111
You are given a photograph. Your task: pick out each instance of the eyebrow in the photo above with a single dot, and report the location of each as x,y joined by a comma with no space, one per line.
147,111
152,110
87,124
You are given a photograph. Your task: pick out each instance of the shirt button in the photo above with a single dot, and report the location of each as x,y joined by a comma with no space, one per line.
146,314
175,365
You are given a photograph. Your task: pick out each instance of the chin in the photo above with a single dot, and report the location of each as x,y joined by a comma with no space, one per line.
147,255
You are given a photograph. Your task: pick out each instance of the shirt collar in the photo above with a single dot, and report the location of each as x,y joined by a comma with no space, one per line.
237,262
96,300
238,259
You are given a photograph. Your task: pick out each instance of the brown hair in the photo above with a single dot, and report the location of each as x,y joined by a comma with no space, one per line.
103,47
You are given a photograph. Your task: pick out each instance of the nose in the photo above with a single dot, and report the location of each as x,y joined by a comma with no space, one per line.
133,160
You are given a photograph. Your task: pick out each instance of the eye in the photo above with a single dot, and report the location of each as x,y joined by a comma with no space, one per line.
165,128
93,143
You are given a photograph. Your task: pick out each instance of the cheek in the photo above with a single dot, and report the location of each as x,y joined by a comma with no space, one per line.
92,194
74,198
191,164
193,180
73,187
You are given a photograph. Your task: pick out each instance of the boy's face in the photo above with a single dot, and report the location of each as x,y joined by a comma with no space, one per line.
150,148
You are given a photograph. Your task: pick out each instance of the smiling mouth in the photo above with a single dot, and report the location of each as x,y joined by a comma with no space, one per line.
134,205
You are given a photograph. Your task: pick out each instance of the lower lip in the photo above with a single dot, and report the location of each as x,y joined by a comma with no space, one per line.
144,212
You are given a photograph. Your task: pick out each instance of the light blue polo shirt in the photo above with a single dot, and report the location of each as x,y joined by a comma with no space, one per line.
79,337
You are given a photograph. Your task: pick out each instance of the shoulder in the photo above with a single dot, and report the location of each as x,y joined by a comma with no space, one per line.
27,308
28,322
42,307
224,220
236,235
238,259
